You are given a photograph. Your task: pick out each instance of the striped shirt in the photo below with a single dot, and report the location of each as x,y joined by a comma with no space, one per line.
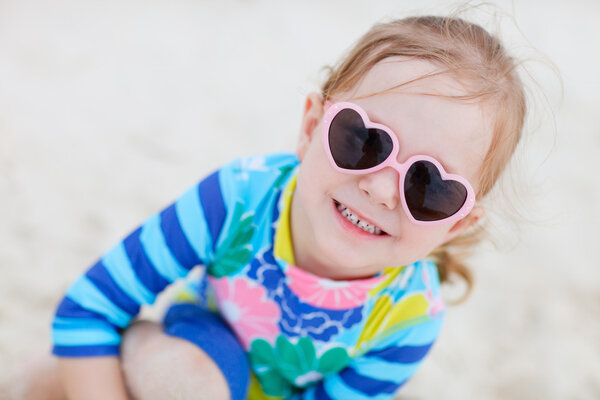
306,337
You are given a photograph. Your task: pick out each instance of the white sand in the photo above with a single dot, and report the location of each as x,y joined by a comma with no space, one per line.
108,111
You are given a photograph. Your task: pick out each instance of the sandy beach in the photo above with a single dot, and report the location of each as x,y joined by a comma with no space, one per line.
110,110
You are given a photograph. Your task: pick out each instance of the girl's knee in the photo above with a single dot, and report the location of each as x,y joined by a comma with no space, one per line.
139,335
207,331
158,366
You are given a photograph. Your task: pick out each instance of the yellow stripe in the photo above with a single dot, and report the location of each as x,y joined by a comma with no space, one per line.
283,238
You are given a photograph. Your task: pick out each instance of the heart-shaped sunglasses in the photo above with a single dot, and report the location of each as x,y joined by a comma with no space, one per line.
355,145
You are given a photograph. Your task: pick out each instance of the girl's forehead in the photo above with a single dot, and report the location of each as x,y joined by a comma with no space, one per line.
408,75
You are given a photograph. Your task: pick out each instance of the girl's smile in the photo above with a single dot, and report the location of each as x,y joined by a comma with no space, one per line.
356,223
358,220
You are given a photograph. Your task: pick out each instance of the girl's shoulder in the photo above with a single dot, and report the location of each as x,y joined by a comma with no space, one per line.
415,286
249,179
245,168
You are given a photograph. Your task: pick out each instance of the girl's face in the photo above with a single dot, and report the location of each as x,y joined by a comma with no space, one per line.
426,121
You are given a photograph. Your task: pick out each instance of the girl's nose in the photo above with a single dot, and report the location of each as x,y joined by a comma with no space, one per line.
381,187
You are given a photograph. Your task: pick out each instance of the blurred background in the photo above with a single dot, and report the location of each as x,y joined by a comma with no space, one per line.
109,110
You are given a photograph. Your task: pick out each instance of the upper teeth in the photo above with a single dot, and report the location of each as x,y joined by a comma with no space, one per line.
365,226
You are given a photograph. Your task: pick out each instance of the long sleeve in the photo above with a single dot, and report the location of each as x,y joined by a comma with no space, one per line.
163,249
383,370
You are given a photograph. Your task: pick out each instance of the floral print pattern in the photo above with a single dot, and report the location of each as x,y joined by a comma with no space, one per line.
236,249
286,366
436,305
327,293
247,308
386,317
299,318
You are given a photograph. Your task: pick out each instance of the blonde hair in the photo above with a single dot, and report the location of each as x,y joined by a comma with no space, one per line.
473,57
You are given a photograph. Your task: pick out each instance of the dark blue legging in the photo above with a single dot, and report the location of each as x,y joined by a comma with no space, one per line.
209,332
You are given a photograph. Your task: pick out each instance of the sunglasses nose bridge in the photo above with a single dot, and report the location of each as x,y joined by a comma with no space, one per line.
400,168
397,166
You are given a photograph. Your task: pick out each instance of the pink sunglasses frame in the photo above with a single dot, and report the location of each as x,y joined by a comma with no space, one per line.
332,109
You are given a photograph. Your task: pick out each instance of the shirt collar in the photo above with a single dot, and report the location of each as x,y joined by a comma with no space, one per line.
283,236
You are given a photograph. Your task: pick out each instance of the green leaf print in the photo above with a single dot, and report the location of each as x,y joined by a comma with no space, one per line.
261,353
288,354
273,385
236,249
283,174
333,360
287,366
308,350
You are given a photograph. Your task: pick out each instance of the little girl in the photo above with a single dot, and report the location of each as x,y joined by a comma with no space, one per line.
323,268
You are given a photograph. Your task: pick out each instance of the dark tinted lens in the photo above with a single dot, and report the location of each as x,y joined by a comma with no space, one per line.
353,146
428,196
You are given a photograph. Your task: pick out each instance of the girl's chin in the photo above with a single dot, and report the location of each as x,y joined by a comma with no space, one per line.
343,263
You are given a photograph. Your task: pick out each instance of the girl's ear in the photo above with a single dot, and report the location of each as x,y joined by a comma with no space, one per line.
462,225
313,112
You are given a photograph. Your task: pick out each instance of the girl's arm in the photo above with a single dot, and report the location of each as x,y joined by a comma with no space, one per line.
103,301
92,378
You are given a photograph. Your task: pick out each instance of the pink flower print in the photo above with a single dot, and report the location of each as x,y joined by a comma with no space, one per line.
327,293
435,303
247,309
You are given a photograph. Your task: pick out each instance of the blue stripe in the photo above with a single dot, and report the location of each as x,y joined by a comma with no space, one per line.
193,225
403,354
85,351
366,385
379,369
320,393
82,323
213,205
176,239
144,270
100,277
70,309
89,296
337,389
120,268
421,334
155,247
85,337
277,203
